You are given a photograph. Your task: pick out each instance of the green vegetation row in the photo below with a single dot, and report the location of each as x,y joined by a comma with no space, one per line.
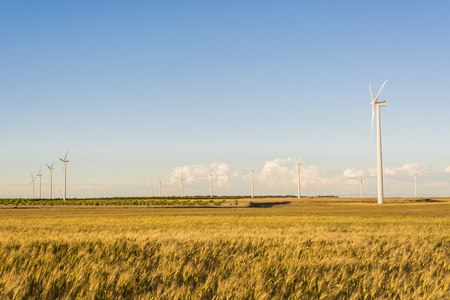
113,202
345,253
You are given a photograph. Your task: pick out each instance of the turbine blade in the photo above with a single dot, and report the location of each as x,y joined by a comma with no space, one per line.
66,154
62,159
380,91
371,127
370,89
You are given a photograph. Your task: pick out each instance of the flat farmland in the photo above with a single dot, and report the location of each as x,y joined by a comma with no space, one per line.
282,248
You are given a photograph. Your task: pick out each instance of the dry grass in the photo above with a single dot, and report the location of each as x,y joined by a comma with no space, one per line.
297,251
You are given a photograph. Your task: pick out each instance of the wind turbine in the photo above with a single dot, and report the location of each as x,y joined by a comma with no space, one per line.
181,181
377,105
298,164
50,185
415,185
253,184
160,187
361,187
211,183
32,185
40,181
64,164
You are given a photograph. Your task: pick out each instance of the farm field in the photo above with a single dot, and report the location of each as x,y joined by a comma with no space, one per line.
307,248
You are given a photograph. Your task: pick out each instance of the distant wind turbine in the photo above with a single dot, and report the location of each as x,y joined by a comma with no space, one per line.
298,164
211,183
377,105
40,182
50,184
32,185
415,185
64,164
181,181
253,184
160,187
361,186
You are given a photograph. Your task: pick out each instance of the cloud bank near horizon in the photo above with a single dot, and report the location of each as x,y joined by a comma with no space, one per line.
280,176
276,177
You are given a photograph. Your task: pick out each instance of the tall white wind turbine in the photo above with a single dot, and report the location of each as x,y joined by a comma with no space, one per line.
253,183
361,186
298,164
415,185
64,164
40,182
211,183
181,182
32,185
377,105
50,181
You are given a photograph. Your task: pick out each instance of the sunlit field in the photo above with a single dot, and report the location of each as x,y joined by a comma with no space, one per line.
312,248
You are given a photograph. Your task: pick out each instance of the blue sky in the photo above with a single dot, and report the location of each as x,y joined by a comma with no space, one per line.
140,91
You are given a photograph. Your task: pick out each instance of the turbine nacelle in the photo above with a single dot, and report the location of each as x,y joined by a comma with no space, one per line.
384,103
65,158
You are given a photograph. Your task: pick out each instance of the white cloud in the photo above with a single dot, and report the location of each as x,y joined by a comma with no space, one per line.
371,172
408,169
356,173
447,170
194,173
277,173
282,173
350,173
220,177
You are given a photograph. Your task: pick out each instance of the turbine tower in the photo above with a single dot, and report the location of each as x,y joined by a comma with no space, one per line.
377,105
181,181
211,183
64,164
50,184
361,186
32,185
40,182
160,187
415,185
253,184
298,171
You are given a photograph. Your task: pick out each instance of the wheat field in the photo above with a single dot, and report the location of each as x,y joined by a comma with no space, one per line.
322,250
